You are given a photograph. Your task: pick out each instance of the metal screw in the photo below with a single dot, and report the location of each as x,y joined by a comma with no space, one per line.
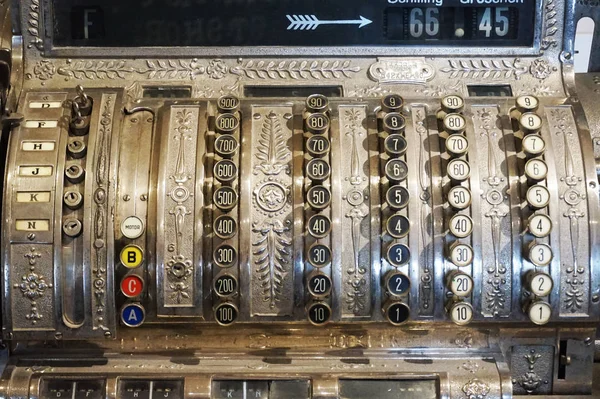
31,236
126,197
143,197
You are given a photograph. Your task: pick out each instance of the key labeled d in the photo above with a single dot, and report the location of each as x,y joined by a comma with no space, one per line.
132,256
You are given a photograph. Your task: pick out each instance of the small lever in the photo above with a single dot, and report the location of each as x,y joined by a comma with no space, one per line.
83,101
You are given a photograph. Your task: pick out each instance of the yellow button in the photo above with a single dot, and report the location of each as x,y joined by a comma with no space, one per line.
132,256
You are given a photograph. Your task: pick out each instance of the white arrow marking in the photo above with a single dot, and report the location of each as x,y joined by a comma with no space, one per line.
311,22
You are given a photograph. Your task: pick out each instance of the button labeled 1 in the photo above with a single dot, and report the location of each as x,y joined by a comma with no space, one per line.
539,312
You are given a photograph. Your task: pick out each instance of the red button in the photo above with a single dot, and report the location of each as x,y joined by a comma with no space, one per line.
132,286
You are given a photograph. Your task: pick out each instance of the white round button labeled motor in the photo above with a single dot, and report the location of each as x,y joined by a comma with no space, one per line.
461,226
540,254
539,225
132,227
538,197
461,313
461,284
461,255
539,312
533,145
540,284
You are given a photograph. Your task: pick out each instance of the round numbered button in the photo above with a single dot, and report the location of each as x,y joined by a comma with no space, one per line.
318,197
317,123
317,103
397,284
317,146
461,226
226,313
461,313
457,145
228,104
396,313
536,170
398,226
396,170
538,197
225,227
397,197
226,123
225,285
458,170
453,104
539,312
461,254
395,145
225,255
398,255
225,198
319,313
461,285
392,103
319,255
394,123
533,145
132,286
540,254
540,284
319,285
539,225
319,226
459,197
454,123
530,123
226,145
318,169
225,170
527,104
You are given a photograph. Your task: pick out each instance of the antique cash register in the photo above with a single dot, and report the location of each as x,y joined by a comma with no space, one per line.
294,199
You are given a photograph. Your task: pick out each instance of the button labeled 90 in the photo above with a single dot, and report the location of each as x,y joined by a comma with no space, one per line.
319,255
317,103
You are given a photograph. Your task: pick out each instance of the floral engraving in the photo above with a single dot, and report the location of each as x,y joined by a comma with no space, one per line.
485,69
476,389
44,70
272,257
33,285
295,70
272,149
541,69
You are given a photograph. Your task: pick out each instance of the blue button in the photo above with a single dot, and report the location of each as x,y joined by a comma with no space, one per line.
133,315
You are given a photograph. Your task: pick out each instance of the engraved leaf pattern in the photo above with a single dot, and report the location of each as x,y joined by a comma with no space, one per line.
34,25
271,251
550,27
272,150
485,69
173,69
92,70
296,70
